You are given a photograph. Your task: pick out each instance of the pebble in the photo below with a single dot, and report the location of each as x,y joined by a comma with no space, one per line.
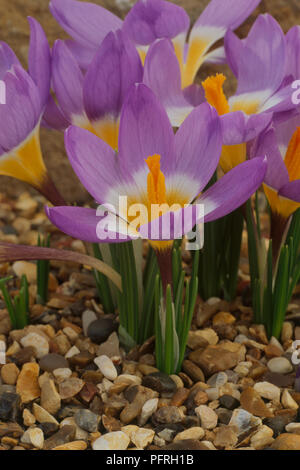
142,437
62,374
223,415
226,436
88,316
107,367
193,371
70,387
64,435
242,420
42,415
293,428
229,402
180,397
168,415
80,434
99,330
252,402
223,318
160,382
28,418
128,379
33,436
9,406
287,331
262,438
75,445
287,400
286,441
201,338
280,365
117,440
217,358
53,361
217,380
110,347
148,409
195,432
208,417
71,351
38,342
10,373
87,420
268,391
187,444
50,398
27,384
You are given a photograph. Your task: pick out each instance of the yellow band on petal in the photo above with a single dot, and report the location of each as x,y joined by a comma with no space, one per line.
194,59
280,205
107,130
292,157
25,162
232,155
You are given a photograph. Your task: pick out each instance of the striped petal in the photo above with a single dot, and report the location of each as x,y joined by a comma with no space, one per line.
149,20
39,59
67,81
87,23
88,225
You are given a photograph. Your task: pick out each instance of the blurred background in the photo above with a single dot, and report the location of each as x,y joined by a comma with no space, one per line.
14,30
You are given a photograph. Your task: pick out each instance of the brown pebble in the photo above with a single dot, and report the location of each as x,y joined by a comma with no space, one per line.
179,397
27,384
193,371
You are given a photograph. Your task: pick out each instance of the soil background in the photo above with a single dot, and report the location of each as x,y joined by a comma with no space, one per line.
14,30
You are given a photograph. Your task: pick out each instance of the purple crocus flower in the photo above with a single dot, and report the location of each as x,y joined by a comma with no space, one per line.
261,90
149,20
93,100
20,116
281,145
153,167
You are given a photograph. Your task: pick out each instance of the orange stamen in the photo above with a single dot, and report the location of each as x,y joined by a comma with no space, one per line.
214,93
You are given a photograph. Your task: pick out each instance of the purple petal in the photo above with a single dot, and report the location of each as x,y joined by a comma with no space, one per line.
83,224
226,14
95,164
22,111
145,130
173,225
152,19
194,94
234,50
235,188
277,174
39,59
237,127
67,80
198,145
293,52
7,59
291,191
114,69
264,49
87,23
281,101
162,74
83,55
53,117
